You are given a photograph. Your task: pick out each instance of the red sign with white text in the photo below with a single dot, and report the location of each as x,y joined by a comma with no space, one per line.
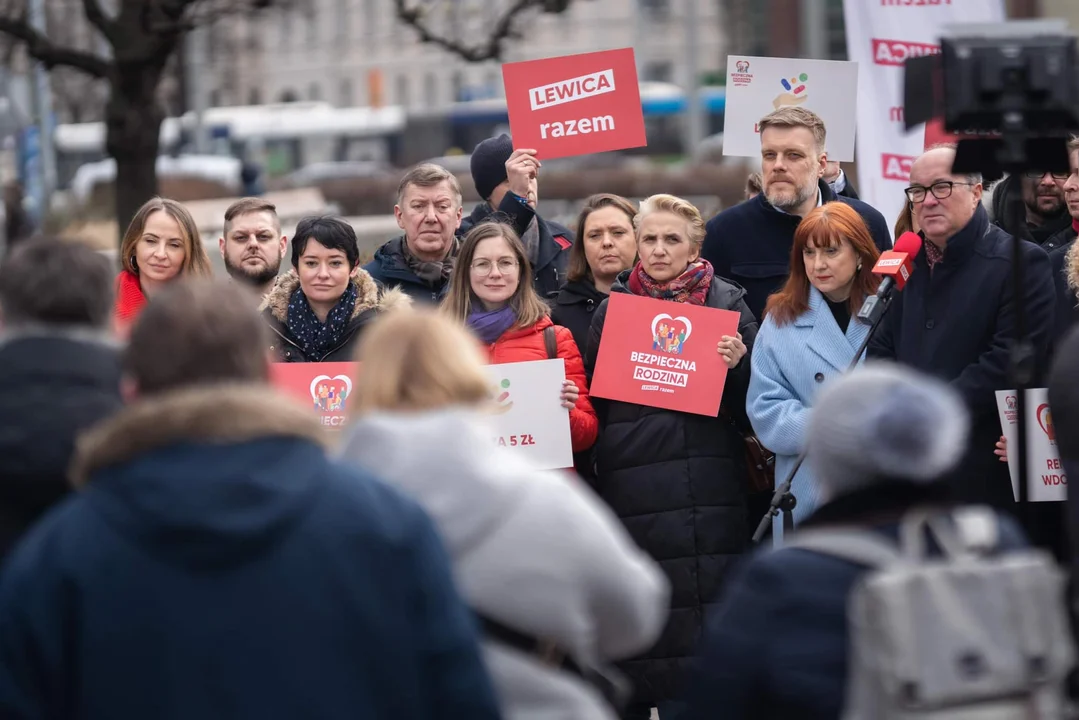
325,387
575,104
663,354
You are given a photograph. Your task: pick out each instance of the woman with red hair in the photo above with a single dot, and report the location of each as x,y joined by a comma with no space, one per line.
809,334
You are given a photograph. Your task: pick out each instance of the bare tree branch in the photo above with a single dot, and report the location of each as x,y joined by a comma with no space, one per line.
95,14
504,29
44,50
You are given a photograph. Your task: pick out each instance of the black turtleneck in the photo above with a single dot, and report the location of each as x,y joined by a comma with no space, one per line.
841,313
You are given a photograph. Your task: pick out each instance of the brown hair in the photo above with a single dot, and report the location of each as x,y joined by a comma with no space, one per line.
905,221
754,185
196,262
197,331
247,205
416,361
577,267
793,117
428,175
826,226
526,302
52,282
677,206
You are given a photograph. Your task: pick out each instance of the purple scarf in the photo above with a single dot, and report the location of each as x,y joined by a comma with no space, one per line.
489,326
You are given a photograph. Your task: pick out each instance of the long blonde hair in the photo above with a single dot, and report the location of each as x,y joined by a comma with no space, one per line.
418,360
196,261
525,301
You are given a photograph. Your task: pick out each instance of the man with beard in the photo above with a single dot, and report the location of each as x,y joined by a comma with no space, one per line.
750,243
1031,206
252,246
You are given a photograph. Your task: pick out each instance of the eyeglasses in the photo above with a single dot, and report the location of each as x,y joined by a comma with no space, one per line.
1035,175
941,190
484,267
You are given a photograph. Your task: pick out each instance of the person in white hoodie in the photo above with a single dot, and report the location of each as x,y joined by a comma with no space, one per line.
558,586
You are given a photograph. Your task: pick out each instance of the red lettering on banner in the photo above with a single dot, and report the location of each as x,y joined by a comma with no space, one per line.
896,167
895,113
1054,480
1053,463
896,52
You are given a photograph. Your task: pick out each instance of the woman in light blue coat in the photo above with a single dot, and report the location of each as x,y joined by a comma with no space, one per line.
810,334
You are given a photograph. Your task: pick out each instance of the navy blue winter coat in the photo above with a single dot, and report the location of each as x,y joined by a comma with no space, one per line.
957,323
777,644
217,565
750,243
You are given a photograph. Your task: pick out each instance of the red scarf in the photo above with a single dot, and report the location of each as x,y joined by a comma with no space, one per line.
1075,225
691,286
129,297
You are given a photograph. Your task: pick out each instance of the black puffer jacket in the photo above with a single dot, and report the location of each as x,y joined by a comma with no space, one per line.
574,306
369,304
1009,213
677,481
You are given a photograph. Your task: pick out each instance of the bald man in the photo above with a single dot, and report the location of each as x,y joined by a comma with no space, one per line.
956,317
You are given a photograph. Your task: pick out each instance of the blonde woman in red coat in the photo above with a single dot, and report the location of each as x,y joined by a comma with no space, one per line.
491,292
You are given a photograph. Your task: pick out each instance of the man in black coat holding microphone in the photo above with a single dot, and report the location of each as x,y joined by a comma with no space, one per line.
956,317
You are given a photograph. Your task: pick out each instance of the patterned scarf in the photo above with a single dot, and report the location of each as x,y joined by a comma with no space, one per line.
434,274
691,286
315,337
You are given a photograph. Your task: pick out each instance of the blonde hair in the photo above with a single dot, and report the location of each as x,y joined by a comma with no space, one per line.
418,360
460,300
676,206
794,117
196,262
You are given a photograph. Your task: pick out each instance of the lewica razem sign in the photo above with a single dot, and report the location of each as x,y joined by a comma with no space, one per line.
576,104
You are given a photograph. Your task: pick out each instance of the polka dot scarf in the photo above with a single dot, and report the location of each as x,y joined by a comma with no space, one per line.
315,337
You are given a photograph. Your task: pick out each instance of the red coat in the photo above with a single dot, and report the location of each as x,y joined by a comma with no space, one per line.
527,344
129,300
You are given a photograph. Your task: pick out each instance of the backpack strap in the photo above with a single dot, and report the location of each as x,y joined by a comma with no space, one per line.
550,341
862,547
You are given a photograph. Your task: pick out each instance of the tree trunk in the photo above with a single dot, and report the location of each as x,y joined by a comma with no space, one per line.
132,137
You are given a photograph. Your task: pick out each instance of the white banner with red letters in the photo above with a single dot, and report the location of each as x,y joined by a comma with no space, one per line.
881,35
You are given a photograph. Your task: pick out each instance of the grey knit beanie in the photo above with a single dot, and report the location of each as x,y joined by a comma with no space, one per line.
884,422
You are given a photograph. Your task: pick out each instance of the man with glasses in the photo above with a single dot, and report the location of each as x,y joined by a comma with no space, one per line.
1031,206
956,317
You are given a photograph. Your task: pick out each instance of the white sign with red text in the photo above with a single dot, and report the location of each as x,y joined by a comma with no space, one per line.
1046,481
758,85
881,35
528,416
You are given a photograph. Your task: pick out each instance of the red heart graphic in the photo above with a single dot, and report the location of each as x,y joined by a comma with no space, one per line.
669,334
330,394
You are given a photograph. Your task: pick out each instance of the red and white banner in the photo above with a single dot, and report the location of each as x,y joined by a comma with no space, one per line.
881,35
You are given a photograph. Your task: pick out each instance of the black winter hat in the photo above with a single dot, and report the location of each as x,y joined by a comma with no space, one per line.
489,163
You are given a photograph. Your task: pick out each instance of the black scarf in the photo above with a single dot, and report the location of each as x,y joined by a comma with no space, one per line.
315,337
433,274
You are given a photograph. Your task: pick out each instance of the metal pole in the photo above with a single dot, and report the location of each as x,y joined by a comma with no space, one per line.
43,110
194,57
694,111
814,29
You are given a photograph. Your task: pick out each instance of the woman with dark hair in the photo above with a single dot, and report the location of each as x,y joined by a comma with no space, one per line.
603,247
491,292
677,480
809,335
161,244
317,310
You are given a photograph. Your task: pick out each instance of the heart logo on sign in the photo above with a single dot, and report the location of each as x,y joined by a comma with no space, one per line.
329,393
669,334
1045,420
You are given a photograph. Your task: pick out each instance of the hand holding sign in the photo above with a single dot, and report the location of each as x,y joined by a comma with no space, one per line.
570,393
732,349
522,170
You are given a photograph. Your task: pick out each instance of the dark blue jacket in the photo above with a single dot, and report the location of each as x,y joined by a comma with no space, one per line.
957,323
390,270
750,243
218,565
777,644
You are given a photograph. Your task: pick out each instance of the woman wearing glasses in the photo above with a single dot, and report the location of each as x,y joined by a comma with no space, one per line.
491,292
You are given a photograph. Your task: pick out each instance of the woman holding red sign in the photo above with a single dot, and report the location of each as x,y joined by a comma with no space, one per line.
677,480
491,292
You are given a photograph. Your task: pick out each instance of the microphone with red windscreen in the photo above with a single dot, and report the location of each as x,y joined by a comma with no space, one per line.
895,266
